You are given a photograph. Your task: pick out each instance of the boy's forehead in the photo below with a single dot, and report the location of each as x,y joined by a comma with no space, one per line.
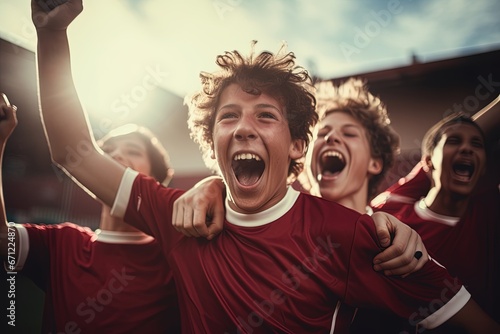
234,95
338,117
462,129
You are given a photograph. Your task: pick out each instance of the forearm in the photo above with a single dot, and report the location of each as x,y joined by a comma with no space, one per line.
488,118
67,129
62,114
474,320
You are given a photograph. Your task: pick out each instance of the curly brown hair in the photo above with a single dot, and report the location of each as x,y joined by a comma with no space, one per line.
273,74
353,98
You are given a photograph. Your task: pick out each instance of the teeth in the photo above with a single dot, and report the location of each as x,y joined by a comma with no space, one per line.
246,156
333,154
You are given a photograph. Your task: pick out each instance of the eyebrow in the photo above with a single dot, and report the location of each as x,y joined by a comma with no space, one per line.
349,125
258,106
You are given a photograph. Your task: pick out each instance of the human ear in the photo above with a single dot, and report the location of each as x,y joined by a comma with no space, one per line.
297,148
375,166
427,163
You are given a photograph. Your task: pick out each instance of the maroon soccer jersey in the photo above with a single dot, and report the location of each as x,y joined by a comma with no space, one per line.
104,282
408,192
468,246
286,269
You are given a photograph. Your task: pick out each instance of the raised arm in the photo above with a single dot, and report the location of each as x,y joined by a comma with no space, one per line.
71,143
8,122
488,118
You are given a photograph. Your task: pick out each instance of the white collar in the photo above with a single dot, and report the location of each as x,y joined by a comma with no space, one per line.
263,217
369,210
423,211
121,237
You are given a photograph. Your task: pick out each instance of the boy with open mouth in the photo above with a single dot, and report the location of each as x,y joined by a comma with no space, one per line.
280,264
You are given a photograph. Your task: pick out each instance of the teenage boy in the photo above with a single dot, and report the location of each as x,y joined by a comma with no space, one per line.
280,264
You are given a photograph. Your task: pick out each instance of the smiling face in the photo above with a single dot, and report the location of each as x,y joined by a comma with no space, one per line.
253,147
341,161
458,160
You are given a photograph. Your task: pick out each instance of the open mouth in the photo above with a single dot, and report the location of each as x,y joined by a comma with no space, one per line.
463,170
331,163
247,168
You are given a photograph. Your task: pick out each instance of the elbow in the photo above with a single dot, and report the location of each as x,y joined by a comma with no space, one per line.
56,159
59,158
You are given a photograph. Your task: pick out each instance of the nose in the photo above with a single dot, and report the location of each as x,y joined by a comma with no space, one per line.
466,148
245,129
332,137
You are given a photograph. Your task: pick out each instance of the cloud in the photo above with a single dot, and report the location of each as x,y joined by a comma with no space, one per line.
185,36
444,25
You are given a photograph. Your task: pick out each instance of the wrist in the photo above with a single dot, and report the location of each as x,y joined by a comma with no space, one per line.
50,33
212,179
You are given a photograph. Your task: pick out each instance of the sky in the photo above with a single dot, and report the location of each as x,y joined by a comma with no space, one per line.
124,46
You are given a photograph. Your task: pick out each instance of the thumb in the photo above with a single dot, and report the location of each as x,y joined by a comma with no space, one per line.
217,223
382,224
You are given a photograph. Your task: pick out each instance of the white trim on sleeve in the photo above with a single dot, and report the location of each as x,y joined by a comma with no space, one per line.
23,248
448,310
123,194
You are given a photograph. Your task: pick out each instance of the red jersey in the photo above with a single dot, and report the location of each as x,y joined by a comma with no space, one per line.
403,193
286,269
468,246
103,282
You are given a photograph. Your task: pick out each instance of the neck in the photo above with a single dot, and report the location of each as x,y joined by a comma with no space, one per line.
110,223
446,204
357,201
354,204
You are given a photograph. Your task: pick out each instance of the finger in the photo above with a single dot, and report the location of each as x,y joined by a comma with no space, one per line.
9,114
4,100
415,245
398,253
406,261
382,228
187,222
199,224
217,223
13,109
401,266
424,258
179,220
176,215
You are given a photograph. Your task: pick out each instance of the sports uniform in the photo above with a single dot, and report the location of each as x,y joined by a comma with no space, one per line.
102,282
285,269
467,246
